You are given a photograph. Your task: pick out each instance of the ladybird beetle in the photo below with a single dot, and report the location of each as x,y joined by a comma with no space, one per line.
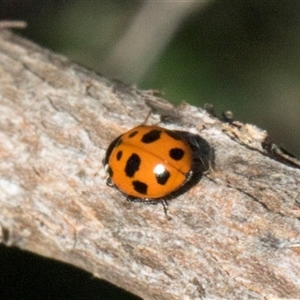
152,164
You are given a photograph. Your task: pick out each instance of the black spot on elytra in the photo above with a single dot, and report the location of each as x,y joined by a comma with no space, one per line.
163,177
173,135
140,187
132,165
119,155
176,153
151,136
132,134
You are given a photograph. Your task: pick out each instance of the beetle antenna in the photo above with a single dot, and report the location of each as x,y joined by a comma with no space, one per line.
147,117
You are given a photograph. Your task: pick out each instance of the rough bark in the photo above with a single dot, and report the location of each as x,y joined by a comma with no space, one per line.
235,235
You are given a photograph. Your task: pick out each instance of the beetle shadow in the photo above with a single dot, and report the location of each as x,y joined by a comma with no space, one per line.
203,161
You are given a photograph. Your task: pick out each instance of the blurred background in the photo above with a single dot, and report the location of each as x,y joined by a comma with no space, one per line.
238,55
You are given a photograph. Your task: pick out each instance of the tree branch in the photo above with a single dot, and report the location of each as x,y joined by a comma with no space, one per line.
235,235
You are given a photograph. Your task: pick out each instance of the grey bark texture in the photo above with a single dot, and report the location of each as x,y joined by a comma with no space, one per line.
235,235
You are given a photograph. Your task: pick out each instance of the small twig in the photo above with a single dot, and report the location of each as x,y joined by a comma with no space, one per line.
12,24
